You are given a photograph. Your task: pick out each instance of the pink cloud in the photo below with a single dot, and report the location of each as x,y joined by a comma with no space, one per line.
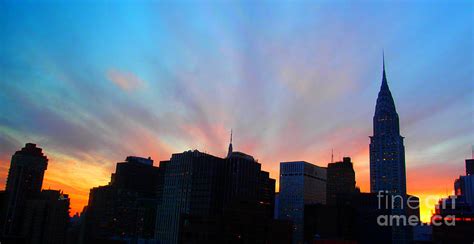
126,81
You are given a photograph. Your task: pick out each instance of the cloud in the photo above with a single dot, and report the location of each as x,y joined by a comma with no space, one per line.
126,81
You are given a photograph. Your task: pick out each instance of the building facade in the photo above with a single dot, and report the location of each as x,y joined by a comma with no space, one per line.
193,186
46,218
301,183
125,209
341,182
208,199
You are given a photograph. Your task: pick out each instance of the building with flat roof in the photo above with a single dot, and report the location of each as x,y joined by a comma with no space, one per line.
341,182
301,183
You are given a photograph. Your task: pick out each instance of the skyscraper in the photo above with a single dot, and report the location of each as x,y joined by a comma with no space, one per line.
387,152
25,179
301,183
387,158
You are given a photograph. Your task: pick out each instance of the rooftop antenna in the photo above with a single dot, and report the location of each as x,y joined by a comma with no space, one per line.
229,152
332,155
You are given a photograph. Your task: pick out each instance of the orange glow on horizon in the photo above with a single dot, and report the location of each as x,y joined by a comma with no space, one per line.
76,178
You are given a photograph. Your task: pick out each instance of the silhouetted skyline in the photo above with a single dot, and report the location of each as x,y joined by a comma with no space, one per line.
93,84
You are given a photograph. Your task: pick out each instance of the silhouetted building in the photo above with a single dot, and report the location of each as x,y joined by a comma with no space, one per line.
301,183
387,156
46,218
246,182
25,178
387,152
456,213
464,185
340,181
207,199
125,209
193,186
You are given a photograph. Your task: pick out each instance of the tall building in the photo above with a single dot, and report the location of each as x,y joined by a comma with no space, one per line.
341,182
125,209
193,185
25,179
387,156
301,183
387,152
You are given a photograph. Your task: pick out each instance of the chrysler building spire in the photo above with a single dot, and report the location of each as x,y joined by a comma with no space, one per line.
386,119
387,152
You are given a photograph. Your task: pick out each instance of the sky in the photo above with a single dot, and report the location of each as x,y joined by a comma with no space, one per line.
94,82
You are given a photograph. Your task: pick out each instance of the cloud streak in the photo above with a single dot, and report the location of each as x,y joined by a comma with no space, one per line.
126,81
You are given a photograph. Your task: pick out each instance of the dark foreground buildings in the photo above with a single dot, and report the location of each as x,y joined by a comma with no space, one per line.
29,214
456,213
194,197
341,182
351,221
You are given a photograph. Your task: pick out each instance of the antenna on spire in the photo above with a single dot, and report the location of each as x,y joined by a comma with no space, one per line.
384,76
383,62
230,136
383,59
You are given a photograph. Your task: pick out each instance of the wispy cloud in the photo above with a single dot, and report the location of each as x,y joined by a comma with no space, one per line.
127,81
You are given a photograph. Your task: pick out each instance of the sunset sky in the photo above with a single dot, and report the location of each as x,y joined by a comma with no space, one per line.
92,83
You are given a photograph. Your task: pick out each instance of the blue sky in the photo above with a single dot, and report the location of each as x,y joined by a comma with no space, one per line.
92,82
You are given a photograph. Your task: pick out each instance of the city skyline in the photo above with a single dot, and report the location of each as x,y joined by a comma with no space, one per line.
91,91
